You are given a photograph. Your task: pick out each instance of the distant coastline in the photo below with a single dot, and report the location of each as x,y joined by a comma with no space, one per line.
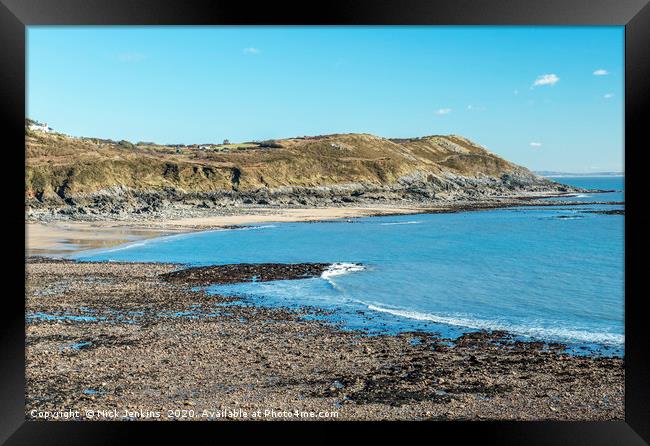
94,179
556,174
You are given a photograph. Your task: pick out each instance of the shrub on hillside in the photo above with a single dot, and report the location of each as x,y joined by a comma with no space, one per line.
270,143
126,144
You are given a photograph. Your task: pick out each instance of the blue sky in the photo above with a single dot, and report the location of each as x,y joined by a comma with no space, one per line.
548,98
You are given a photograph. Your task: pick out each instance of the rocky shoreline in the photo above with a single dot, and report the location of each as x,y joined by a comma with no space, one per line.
416,190
128,210
141,341
244,272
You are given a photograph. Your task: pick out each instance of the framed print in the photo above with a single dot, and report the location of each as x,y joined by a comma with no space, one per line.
419,213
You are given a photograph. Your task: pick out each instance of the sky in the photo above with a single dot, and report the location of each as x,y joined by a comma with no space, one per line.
548,98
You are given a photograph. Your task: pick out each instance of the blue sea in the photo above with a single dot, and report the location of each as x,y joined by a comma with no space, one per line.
541,273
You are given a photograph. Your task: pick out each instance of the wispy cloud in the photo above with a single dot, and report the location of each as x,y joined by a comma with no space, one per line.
546,79
536,145
601,72
608,95
131,56
443,111
251,50
475,107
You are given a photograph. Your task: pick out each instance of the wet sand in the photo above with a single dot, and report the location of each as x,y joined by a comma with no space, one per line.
131,341
64,238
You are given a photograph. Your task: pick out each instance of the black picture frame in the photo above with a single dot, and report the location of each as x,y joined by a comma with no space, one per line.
15,15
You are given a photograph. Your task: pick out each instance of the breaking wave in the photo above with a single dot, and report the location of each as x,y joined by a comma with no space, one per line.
400,223
533,332
339,269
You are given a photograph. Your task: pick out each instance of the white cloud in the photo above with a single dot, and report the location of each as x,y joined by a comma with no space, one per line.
546,79
601,72
475,107
608,95
536,144
443,111
251,50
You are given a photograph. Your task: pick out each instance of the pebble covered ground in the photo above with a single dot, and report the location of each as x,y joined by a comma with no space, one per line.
114,341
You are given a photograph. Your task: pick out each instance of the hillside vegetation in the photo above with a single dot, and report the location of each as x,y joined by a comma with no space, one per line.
67,170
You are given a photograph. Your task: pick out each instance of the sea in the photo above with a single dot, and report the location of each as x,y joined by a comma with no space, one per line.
549,273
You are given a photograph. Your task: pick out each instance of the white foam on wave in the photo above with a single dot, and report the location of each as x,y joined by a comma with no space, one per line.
577,217
339,269
533,332
126,246
400,223
251,228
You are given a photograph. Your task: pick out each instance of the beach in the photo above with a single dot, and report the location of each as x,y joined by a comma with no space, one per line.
118,341
132,340
59,235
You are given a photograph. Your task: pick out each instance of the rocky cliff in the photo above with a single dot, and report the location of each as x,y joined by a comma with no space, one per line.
89,175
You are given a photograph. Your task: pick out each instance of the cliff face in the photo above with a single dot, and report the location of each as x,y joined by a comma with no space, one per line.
67,171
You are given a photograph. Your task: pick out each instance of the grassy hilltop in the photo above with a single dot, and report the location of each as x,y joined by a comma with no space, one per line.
58,164
67,170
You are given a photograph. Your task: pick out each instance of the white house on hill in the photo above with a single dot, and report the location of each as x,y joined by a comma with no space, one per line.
40,127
